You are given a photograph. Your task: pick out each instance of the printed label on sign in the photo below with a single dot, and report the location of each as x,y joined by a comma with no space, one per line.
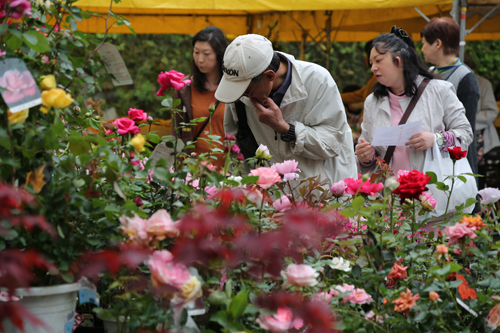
78,320
115,65
162,152
70,322
19,89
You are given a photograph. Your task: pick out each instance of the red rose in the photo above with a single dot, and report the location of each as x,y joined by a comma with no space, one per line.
360,186
137,115
457,153
169,80
411,185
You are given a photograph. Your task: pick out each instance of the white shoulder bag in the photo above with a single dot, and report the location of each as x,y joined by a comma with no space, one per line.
441,164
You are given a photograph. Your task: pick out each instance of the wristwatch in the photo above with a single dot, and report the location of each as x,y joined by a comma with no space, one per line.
440,140
290,135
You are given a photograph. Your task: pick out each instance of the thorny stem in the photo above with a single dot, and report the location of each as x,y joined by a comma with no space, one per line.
451,191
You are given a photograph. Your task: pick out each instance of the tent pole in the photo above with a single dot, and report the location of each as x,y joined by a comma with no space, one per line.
484,18
328,30
463,32
455,10
422,14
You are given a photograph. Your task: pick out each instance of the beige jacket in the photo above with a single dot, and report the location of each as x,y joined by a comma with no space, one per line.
312,103
487,112
438,108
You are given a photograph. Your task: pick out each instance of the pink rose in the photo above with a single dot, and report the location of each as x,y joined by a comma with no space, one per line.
428,201
489,195
211,190
282,204
134,228
18,85
358,186
126,126
299,275
18,8
281,322
161,226
169,80
338,189
267,177
137,115
323,296
402,173
165,272
359,296
458,231
287,169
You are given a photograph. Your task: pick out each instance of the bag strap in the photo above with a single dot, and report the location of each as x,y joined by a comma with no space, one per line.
241,112
406,115
206,122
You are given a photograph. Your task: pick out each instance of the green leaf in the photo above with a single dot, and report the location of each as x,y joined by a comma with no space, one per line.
29,38
358,202
249,180
41,45
3,28
217,297
462,178
356,270
470,202
238,304
78,182
14,42
59,230
433,177
167,102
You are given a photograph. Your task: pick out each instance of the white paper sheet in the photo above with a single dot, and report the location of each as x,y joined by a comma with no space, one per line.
396,135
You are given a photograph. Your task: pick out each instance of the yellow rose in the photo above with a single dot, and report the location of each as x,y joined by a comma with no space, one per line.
48,82
18,117
56,98
190,291
138,142
35,179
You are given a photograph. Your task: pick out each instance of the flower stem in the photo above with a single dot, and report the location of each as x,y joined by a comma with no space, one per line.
451,190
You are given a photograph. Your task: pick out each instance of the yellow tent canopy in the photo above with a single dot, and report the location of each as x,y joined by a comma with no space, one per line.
290,20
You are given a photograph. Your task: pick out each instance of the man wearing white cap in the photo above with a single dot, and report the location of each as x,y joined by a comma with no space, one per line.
293,107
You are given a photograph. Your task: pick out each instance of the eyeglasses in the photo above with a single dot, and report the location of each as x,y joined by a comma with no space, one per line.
249,93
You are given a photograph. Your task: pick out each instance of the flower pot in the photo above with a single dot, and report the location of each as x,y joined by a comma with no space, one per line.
111,325
53,305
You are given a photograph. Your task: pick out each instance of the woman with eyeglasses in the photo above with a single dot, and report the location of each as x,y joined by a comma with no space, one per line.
209,46
400,72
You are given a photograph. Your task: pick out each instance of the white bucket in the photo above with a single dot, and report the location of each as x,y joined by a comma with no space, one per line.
53,305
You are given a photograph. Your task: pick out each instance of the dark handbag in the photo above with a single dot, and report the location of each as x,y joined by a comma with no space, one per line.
244,137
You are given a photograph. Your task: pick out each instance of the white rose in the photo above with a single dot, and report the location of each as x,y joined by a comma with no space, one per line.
340,264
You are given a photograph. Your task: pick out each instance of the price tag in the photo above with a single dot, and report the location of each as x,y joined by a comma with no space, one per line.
70,322
87,293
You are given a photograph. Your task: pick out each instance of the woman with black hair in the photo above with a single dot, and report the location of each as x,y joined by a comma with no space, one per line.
399,72
209,46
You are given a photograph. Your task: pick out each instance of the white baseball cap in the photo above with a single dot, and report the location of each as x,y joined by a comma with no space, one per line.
245,58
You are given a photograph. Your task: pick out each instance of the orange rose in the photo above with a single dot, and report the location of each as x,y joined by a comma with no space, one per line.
442,249
473,222
405,302
433,296
493,318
